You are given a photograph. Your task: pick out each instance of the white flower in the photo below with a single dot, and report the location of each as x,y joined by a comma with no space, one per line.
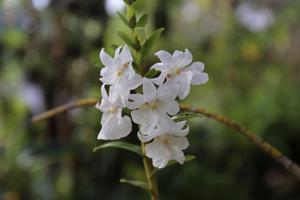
178,69
168,143
153,105
118,72
114,126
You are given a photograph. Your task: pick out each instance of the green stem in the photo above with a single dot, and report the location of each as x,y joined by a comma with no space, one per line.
151,178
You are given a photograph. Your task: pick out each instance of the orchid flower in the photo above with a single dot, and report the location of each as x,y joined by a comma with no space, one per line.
114,126
119,73
153,106
178,69
167,144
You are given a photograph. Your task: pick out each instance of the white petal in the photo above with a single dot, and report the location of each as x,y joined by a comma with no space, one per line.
105,58
184,86
182,59
197,70
133,83
178,155
180,142
146,138
113,131
171,107
117,52
125,55
159,154
135,101
131,72
147,119
104,106
160,79
103,92
149,89
105,116
160,67
140,116
165,57
116,93
196,66
108,75
148,126
179,131
167,92
199,78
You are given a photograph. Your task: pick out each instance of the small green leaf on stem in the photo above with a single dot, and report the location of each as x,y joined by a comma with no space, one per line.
185,116
149,43
137,5
121,145
152,73
125,38
128,2
114,46
138,184
132,22
99,65
140,33
123,18
142,21
173,162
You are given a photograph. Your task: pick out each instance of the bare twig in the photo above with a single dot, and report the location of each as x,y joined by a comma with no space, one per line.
64,108
253,137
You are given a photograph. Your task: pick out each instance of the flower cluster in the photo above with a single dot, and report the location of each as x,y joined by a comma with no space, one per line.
152,109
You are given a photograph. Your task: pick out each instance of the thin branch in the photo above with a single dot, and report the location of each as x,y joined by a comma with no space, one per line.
63,108
253,137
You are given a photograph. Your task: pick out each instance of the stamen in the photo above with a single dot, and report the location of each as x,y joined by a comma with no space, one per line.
113,109
119,72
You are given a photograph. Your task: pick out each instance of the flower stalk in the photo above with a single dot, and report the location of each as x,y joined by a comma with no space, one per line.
151,178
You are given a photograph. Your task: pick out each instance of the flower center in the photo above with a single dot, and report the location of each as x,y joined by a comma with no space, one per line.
173,73
121,70
177,71
153,104
113,109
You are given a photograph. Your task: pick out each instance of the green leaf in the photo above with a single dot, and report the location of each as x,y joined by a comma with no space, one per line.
148,45
114,46
138,184
121,145
173,162
187,159
140,33
125,38
134,8
142,20
137,5
128,2
123,18
185,115
132,22
99,65
152,73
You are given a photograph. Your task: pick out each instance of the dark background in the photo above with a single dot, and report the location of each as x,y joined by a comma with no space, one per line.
49,55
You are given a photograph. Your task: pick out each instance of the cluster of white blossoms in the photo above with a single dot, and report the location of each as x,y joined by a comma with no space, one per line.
152,110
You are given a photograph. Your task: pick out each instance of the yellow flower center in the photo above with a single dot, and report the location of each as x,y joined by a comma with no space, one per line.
113,109
124,66
153,104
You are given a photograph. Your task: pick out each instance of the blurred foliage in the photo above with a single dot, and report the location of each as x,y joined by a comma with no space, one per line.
48,56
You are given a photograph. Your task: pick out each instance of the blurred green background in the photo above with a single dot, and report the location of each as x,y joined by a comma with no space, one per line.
48,56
